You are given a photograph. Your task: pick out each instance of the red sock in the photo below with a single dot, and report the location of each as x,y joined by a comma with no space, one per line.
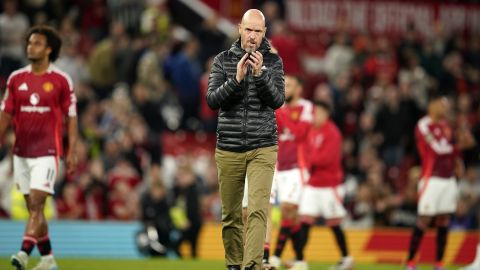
28,244
44,245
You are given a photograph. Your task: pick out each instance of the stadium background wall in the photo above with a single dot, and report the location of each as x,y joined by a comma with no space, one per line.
116,240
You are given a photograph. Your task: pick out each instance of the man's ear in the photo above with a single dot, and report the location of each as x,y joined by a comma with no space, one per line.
264,31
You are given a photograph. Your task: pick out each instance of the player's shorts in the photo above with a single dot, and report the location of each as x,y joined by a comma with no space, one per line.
273,193
324,202
437,196
35,173
289,184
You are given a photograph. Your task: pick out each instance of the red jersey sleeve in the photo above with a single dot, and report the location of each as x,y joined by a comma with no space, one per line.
8,101
69,100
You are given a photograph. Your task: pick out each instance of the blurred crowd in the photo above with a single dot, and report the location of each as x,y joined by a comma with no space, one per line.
139,74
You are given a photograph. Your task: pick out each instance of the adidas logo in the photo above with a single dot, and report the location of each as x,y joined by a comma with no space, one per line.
23,87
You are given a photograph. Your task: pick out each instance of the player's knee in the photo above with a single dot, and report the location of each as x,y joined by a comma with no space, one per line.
423,222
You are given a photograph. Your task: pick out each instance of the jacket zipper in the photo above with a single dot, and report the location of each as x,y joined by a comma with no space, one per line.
245,102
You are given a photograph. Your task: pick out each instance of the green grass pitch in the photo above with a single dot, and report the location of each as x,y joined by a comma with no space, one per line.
187,264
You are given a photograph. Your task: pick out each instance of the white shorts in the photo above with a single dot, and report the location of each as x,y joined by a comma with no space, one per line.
273,193
437,196
325,202
35,173
290,185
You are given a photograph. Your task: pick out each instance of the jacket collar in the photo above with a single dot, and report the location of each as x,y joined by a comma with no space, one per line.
238,51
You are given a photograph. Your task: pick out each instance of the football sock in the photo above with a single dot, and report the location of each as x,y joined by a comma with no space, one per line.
417,236
340,238
266,252
303,241
44,246
442,233
28,244
296,236
283,237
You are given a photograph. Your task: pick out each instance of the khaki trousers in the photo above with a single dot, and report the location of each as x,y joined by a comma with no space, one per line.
258,165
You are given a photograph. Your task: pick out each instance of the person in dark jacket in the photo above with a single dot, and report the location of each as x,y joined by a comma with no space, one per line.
247,85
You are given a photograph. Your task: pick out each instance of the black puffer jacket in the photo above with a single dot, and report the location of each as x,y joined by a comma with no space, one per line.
246,119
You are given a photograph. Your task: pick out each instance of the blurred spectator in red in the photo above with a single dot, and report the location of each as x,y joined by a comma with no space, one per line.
288,47
207,115
71,205
123,202
382,64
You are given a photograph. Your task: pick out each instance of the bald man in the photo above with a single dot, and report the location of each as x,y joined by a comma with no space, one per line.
247,85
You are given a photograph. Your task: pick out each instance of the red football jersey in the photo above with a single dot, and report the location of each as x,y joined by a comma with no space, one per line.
325,148
37,104
292,125
437,152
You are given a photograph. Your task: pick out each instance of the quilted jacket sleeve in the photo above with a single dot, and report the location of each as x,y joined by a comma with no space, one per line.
220,88
271,84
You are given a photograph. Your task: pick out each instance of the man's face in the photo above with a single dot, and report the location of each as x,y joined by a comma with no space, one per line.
292,88
37,48
251,30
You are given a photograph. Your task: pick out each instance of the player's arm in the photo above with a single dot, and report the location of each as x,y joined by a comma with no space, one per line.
5,119
72,133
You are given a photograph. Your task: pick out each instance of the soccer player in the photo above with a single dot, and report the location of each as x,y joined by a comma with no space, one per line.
294,119
38,98
437,197
322,196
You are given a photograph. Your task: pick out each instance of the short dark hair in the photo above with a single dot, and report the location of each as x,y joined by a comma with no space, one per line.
325,105
435,95
53,39
296,78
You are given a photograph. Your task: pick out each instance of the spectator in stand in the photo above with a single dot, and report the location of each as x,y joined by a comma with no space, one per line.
339,56
208,116
187,199
155,213
13,26
288,47
183,71
211,39
104,60
71,205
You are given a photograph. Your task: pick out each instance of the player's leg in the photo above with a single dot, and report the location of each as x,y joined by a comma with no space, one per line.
333,211
309,210
43,174
231,175
22,181
447,205
426,208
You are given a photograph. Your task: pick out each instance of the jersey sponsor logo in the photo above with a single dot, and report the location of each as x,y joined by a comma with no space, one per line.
47,87
37,109
34,99
23,87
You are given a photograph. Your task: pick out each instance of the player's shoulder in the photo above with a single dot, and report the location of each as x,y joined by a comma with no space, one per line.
18,73
61,75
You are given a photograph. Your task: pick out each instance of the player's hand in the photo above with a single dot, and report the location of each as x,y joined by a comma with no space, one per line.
71,161
242,67
256,61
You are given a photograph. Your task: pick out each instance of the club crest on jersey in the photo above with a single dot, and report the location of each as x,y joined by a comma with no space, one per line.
294,115
34,99
47,86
